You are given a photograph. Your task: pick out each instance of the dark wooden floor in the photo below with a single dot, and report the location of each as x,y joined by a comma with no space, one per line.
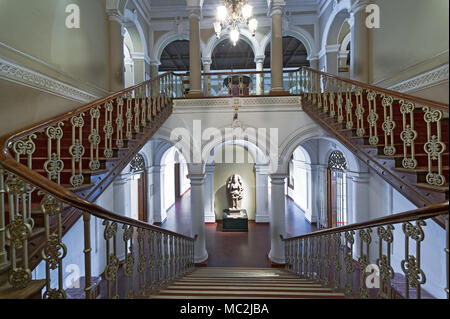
236,249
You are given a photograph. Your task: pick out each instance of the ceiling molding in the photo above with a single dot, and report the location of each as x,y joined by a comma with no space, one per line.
423,81
15,73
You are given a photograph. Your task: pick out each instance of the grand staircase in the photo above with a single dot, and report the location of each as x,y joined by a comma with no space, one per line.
244,283
52,172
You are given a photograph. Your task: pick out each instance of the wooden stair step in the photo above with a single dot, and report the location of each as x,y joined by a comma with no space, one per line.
440,189
32,291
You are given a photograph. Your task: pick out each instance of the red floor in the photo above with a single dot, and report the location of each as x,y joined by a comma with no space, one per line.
236,249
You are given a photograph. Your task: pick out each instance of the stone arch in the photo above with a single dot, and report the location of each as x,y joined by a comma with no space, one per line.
165,40
245,36
164,135
296,32
332,28
345,42
296,139
136,32
225,135
168,38
257,154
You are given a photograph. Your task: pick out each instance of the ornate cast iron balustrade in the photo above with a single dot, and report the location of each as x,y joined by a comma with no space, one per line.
40,169
345,258
402,127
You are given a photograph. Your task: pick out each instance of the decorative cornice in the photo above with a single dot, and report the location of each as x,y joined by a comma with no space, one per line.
422,81
276,7
115,15
260,58
18,74
195,12
245,104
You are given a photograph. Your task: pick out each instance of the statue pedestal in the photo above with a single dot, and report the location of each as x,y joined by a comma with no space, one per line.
235,220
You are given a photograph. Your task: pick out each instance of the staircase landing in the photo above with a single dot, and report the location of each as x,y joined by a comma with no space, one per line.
245,283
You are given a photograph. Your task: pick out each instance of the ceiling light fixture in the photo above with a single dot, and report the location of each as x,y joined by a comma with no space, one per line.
231,15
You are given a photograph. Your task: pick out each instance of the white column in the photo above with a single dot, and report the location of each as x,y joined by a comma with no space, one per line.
122,205
259,85
206,79
154,71
314,63
277,218
139,67
116,57
332,58
198,217
159,210
358,197
262,194
359,52
319,193
357,201
150,193
210,215
276,46
194,51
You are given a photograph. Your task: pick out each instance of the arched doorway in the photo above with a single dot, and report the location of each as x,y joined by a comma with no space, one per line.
138,185
173,177
337,190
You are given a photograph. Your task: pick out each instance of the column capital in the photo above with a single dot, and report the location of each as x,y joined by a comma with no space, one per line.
312,57
209,168
155,63
359,177
206,60
196,179
262,169
278,179
115,15
276,6
260,58
195,12
332,48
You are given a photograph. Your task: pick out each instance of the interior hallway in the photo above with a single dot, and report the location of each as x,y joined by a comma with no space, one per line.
236,249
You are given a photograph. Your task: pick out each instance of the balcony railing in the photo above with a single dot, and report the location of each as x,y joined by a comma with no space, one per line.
242,83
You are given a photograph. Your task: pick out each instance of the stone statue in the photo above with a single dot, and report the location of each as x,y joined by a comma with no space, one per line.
235,192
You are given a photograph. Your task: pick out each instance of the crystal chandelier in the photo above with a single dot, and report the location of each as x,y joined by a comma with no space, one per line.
233,13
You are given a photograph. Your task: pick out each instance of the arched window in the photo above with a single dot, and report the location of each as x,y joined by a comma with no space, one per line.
337,190
137,163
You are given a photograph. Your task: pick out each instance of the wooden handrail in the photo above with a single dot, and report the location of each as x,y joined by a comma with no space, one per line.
417,100
66,116
416,214
31,177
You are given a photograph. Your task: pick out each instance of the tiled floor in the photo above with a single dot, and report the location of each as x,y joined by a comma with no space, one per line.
236,249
